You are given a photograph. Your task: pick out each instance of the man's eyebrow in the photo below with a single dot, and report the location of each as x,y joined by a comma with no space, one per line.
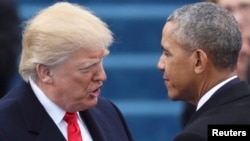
164,49
89,64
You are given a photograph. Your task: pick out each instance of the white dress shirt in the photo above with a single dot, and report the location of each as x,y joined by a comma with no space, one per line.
208,94
57,113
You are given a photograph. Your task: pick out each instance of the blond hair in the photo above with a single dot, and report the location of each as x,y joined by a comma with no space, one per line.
56,32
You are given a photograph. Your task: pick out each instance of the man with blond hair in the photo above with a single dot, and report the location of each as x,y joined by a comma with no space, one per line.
62,70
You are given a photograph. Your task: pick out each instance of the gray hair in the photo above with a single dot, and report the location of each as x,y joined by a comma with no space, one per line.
209,27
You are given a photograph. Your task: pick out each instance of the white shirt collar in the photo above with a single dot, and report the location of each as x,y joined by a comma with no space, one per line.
208,94
54,111
57,113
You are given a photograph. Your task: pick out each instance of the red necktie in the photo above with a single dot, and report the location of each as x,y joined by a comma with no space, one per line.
74,133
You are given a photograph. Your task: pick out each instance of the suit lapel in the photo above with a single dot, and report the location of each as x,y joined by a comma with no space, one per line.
37,120
49,131
228,92
93,124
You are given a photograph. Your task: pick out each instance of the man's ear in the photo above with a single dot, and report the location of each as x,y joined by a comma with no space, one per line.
44,73
201,60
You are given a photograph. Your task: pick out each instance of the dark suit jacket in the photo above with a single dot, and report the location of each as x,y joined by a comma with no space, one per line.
23,118
229,105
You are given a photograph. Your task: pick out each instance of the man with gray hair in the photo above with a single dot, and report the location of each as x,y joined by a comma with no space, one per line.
61,65
200,44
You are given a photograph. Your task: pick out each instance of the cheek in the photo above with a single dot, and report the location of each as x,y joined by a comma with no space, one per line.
178,69
245,49
73,89
81,81
74,82
248,21
171,66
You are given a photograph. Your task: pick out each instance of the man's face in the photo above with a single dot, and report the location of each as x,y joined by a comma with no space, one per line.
241,10
177,65
243,59
77,81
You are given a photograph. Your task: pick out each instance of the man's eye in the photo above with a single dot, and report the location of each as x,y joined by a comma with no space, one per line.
166,53
86,69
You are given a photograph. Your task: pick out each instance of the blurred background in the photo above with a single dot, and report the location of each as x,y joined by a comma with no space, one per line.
134,84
